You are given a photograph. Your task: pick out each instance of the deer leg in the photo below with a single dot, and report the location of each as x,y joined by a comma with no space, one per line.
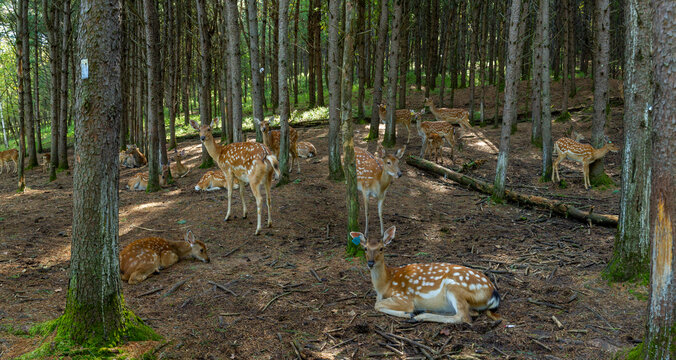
241,196
556,168
142,272
395,306
408,133
16,166
458,312
256,190
366,212
423,147
381,199
295,158
268,182
585,174
228,183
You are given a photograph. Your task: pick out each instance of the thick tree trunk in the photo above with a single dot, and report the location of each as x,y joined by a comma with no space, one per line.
547,145
234,65
284,109
379,71
660,340
565,83
349,162
256,83
390,138
21,24
601,49
335,167
152,27
509,111
52,22
631,254
29,127
63,118
205,75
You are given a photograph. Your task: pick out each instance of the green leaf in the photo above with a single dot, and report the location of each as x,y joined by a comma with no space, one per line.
182,222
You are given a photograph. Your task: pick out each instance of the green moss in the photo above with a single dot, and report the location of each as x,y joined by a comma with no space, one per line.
563,117
603,182
497,200
207,163
537,142
620,269
635,353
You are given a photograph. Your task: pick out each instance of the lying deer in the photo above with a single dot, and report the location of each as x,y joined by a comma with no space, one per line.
45,160
213,180
441,128
143,257
401,116
271,140
305,149
374,176
249,162
454,116
7,156
438,292
582,153
140,180
178,169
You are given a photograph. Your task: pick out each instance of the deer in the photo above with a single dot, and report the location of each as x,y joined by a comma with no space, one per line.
140,181
375,175
7,156
178,169
213,180
305,150
249,162
437,292
45,160
582,153
441,128
146,256
454,116
401,116
436,143
271,140
139,158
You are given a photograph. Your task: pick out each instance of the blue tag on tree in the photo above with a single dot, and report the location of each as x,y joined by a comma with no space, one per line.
356,240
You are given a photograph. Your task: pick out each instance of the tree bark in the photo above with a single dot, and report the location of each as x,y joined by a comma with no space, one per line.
152,28
21,24
601,49
256,83
205,75
379,72
38,125
660,339
474,13
172,79
63,118
547,145
318,53
284,109
565,83
52,23
274,56
361,51
631,254
311,53
335,167
536,84
403,56
29,127
432,44
390,138
509,110
234,65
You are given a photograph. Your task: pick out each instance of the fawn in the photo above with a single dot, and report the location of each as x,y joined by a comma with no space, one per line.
582,153
143,257
438,292
305,149
271,140
138,158
213,180
248,162
178,169
7,156
46,158
401,116
140,180
453,116
374,176
441,128
436,143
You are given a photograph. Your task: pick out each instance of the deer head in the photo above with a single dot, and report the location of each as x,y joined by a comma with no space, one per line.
197,248
374,248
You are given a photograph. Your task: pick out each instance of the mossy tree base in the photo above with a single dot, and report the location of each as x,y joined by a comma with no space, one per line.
563,117
620,270
602,180
207,163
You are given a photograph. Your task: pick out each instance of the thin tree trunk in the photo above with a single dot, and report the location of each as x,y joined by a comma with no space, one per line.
284,109
28,94
390,138
565,83
21,25
37,82
152,28
170,52
234,66
474,20
318,53
257,86
432,35
597,175
379,72
404,56
310,80
187,66
335,167
52,23
545,108
361,50
205,75
63,118
4,131
296,60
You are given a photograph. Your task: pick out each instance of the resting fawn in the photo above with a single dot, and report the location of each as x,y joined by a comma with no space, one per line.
140,180
271,140
213,180
178,169
582,153
305,149
401,116
438,292
143,257
249,162
374,176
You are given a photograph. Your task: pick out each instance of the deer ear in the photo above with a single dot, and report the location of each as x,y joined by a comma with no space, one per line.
182,153
194,125
358,238
380,151
190,237
214,123
257,121
400,152
389,235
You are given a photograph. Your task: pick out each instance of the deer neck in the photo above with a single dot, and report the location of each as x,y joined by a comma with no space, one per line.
181,248
599,153
380,277
418,125
213,148
433,108
267,137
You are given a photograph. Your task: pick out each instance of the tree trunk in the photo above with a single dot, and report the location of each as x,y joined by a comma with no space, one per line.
234,65
4,129
311,53
21,24
379,72
547,145
185,79
52,23
473,11
432,35
125,84
63,118
29,127
361,50
318,53
390,138
335,167
284,109
296,60
631,254
536,84
509,110
601,49
37,81
349,162
170,52
660,340
565,83
152,28
205,75
403,59
256,83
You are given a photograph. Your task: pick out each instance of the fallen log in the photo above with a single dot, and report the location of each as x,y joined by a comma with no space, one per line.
557,207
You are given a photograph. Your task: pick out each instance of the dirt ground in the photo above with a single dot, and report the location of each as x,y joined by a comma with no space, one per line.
276,308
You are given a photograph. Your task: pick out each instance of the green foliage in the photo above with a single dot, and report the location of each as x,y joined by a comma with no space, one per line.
602,182
563,117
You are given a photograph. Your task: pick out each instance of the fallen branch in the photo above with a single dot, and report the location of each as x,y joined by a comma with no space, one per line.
174,288
273,300
222,288
411,342
537,302
149,292
555,206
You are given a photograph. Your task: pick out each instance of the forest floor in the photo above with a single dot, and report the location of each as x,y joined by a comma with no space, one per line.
543,265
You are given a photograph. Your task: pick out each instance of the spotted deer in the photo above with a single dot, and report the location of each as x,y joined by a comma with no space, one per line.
441,128
7,156
438,292
45,160
139,181
582,153
249,162
271,140
454,116
146,256
374,176
139,158
213,180
177,168
401,116
305,149
435,149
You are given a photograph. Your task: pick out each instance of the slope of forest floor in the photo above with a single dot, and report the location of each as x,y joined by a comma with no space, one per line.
543,265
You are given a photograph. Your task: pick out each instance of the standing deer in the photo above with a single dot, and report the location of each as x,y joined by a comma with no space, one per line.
435,149
178,169
140,181
438,292
582,153
374,176
401,116
7,156
453,116
441,128
143,257
271,140
248,162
